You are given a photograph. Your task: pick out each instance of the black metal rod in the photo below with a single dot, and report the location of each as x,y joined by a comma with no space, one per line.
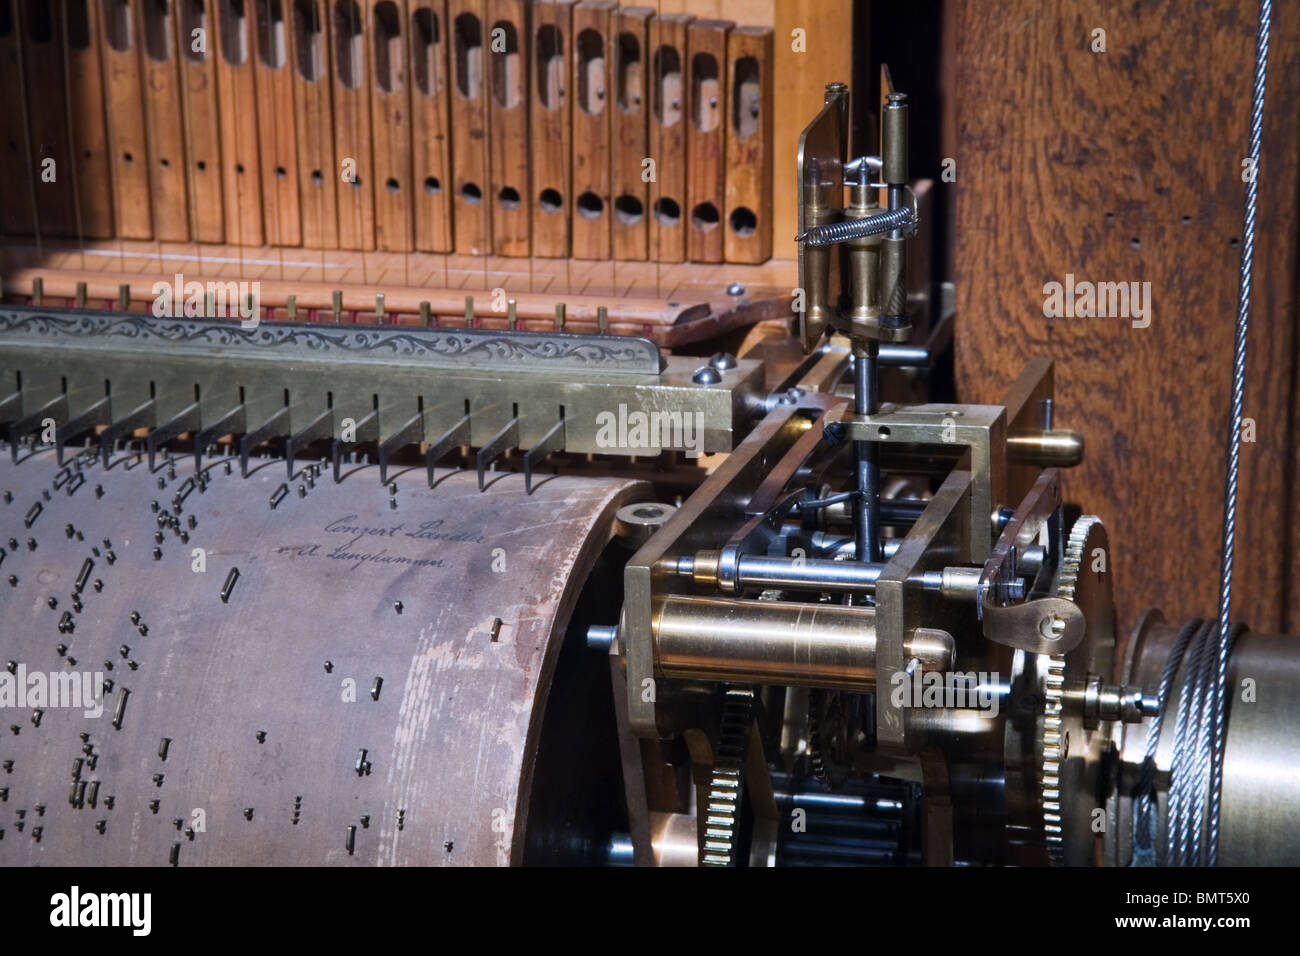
866,508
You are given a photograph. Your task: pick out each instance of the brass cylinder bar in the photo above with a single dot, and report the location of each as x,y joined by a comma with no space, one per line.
769,642
784,643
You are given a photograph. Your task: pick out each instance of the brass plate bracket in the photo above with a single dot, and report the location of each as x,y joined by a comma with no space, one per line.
981,428
1048,625
718,506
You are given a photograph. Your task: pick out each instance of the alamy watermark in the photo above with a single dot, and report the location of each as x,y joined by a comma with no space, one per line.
949,690
208,300
1100,300
39,689
637,430
133,911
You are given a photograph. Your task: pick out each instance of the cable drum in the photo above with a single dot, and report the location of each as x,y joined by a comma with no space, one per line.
1159,813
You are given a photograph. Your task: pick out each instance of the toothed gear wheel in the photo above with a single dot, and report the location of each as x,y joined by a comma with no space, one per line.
1070,753
835,735
1050,749
726,787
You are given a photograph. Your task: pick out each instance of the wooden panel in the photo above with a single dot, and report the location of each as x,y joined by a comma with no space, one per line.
631,37
42,31
706,128
592,92
236,90
758,13
156,28
201,119
430,125
668,57
353,175
802,65
508,133
16,216
471,218
124,105
390,112
15,195
747,226
549,128
1099,166
277,138
672,305
89,142
314,124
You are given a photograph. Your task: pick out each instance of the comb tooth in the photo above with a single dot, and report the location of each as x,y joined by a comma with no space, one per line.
366,430
274,427
454,437
140,417
97,414
553,441
501,442
231,423
412,432
320,427
186,420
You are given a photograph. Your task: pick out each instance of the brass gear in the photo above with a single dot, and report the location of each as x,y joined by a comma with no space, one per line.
834,732
1070,753
726,786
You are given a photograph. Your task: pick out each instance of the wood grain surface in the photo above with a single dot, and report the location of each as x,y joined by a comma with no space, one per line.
1126,166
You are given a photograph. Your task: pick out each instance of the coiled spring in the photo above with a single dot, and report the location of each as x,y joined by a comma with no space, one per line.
835,232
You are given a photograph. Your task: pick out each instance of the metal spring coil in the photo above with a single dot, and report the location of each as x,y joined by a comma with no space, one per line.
835,232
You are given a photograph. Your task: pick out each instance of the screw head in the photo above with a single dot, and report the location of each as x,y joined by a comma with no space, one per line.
723,361
706,375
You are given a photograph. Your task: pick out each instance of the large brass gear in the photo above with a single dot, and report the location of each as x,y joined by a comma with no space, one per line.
1070,751
726,792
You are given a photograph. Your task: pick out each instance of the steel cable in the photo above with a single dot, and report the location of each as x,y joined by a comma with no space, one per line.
1234,447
